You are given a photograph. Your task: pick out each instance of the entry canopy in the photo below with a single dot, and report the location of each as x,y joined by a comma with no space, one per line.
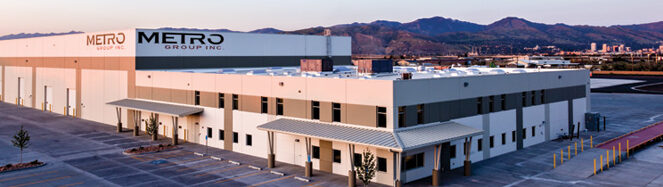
399,140
157,107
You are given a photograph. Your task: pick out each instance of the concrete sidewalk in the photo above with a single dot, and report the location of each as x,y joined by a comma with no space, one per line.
582,166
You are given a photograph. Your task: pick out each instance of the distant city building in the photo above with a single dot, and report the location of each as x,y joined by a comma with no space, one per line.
621,48
604,48
593,47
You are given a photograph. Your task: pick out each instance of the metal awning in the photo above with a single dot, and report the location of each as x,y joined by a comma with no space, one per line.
157,107
435,134
355,135
397,140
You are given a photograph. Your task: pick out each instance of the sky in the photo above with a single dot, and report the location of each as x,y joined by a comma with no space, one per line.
29,16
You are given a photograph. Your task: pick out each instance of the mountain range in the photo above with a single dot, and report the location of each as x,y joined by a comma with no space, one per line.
440,36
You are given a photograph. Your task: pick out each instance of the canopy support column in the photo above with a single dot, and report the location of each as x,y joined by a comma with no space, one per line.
174,129
467,163
436,167
352,174
270,157
309,165
137,118
118,111
397,168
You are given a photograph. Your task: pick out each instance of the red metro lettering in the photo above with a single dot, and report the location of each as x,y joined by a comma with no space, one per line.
106,39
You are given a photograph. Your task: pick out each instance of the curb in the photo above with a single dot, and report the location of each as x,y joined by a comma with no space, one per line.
134,154
24,168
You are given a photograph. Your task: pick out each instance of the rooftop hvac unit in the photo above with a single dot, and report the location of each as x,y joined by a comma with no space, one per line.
374,66
316,65
406,76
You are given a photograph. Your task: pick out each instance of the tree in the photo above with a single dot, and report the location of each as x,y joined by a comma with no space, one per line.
151,126
21,140
366,171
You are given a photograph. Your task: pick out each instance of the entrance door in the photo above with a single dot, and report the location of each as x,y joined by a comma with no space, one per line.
21,92
71,101
48,98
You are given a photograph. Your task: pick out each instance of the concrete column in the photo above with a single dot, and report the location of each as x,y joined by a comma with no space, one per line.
174,129
467,168
136,122
351,174
308,170
436,177
270,160
270,156
467,163
118,110
352,180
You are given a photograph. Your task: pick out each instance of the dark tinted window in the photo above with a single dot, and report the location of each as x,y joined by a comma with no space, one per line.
221,100
479,144
401,117
196,98
316,152
382,164
209,132
420,114
337,156
357,159
221,135
382,117
279,106
249,140
235,137
315,110
263,105
336,112
452,151
235,102
412,162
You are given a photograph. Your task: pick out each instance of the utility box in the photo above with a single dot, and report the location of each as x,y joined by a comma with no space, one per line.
316,65
592,121
374,66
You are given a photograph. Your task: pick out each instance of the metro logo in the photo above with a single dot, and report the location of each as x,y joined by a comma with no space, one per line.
180,38
106,39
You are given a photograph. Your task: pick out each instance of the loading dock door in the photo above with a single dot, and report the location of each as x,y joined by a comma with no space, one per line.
71,101
48,97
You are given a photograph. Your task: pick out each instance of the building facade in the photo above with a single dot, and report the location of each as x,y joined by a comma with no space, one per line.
244,93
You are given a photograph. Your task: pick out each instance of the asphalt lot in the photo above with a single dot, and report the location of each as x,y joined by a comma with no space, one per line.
84,153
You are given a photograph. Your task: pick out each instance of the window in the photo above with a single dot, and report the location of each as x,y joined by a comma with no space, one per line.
479,144
533,97
337,156
222,100
503,138
491,104
401,116
420,114
382,117
382,164
209,132
503,104
235,137
543,96
316,152
235,102
479,105
524,97
357,159
452,151
263,105
513,136
221,135
533,131
315,110
492,141
196,100
412,162
524,133
279,106
336,112
249,140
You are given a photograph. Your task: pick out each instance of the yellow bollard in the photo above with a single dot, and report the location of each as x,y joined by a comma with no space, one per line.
575,144
582,145
569,152
16,101
607,158
64,111
594,166
50,108
554,161
42,106
613,156
591,142
561,156
627,149
620,152
74,113
601,163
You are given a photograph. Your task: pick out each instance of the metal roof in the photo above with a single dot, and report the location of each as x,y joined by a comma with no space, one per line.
398,140
157,107
435,134
341,133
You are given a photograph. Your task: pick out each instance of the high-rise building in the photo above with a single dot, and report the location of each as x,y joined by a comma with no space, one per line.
593,47
604,48
621,48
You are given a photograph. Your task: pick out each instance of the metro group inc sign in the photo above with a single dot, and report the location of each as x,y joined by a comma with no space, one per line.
182,40
107,41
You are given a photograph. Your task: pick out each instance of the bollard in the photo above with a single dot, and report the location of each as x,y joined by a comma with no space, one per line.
64,111
627,149
607,158
601,163
591,142
582,145
561,156
569,152
594,166
620,152
613,156
575,149
554,161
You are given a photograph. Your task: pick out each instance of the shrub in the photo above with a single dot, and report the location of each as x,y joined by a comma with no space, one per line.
8,165
133,150
140,148
35,162
160,145
169,145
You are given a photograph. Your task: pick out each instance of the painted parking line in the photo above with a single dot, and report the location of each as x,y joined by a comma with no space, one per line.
273,180
72,184
41,181
241,176
312,184
200,166
24,176
190,160
172,155
222,170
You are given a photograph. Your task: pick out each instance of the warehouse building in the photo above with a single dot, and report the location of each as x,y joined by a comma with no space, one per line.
253,94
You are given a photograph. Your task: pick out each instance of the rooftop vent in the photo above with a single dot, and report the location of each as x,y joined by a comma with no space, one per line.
406,76
316,65
374,66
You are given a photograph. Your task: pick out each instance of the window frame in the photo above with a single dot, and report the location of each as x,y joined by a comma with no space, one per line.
480,144
335,117
315,110
504,138
235,137
222,135
279,107
235,98
452,151
210,131
381,164
249,140
196,97
421,114
491,143
315,152
401,116
264,105
381,117
222,100
479,105
336,156
503,97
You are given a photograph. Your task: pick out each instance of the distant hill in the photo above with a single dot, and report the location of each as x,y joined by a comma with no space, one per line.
32,35
439,35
